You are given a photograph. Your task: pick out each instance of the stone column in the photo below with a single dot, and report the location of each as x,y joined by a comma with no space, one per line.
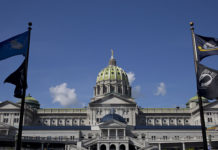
116,134
123,90
94,93
117,146
183,146
79,145
108,132
116,88
124,132
159,146
107,146
101,89
42,146
98,146
127,146
11,119
108,88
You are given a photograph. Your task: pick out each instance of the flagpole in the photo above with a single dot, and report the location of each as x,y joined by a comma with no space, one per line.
203,129
19,138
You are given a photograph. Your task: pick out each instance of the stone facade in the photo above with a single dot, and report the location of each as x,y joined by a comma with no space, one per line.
112,121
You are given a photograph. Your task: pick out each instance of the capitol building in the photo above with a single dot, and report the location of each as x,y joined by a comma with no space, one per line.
111,121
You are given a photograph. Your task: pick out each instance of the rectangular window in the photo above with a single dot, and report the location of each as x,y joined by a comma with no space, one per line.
16,114
209,113
176,137
16,120
164,137
5,120
6,114
209,119
3,132
153,138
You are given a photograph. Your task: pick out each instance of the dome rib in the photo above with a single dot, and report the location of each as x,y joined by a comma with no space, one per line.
112,73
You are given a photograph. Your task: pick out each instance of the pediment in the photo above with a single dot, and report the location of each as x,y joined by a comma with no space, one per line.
113,99
213,105
9,105
112,124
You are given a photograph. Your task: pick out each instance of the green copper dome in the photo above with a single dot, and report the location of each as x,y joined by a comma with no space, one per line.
195,99
29,100
112,72
112,79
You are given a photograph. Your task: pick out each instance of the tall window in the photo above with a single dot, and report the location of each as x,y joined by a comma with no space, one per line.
112,89
6,114
209,119
119,89
164,137
98,89
176,137
5,120
125,89
16,120
104,89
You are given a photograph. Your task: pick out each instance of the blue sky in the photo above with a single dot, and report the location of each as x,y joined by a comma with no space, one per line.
71,42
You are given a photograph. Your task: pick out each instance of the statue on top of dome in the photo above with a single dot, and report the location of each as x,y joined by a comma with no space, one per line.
112,54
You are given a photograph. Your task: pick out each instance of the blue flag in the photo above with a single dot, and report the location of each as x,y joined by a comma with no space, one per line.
206,46
16,45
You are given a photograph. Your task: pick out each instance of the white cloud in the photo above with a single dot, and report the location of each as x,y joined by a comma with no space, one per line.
131,77
63,95
136,92
161,90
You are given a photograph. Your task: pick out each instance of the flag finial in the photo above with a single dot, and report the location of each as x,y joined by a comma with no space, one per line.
191,25
30,25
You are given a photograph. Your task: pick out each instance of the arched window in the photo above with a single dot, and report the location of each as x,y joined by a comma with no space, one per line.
112,147
122,147
103,147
